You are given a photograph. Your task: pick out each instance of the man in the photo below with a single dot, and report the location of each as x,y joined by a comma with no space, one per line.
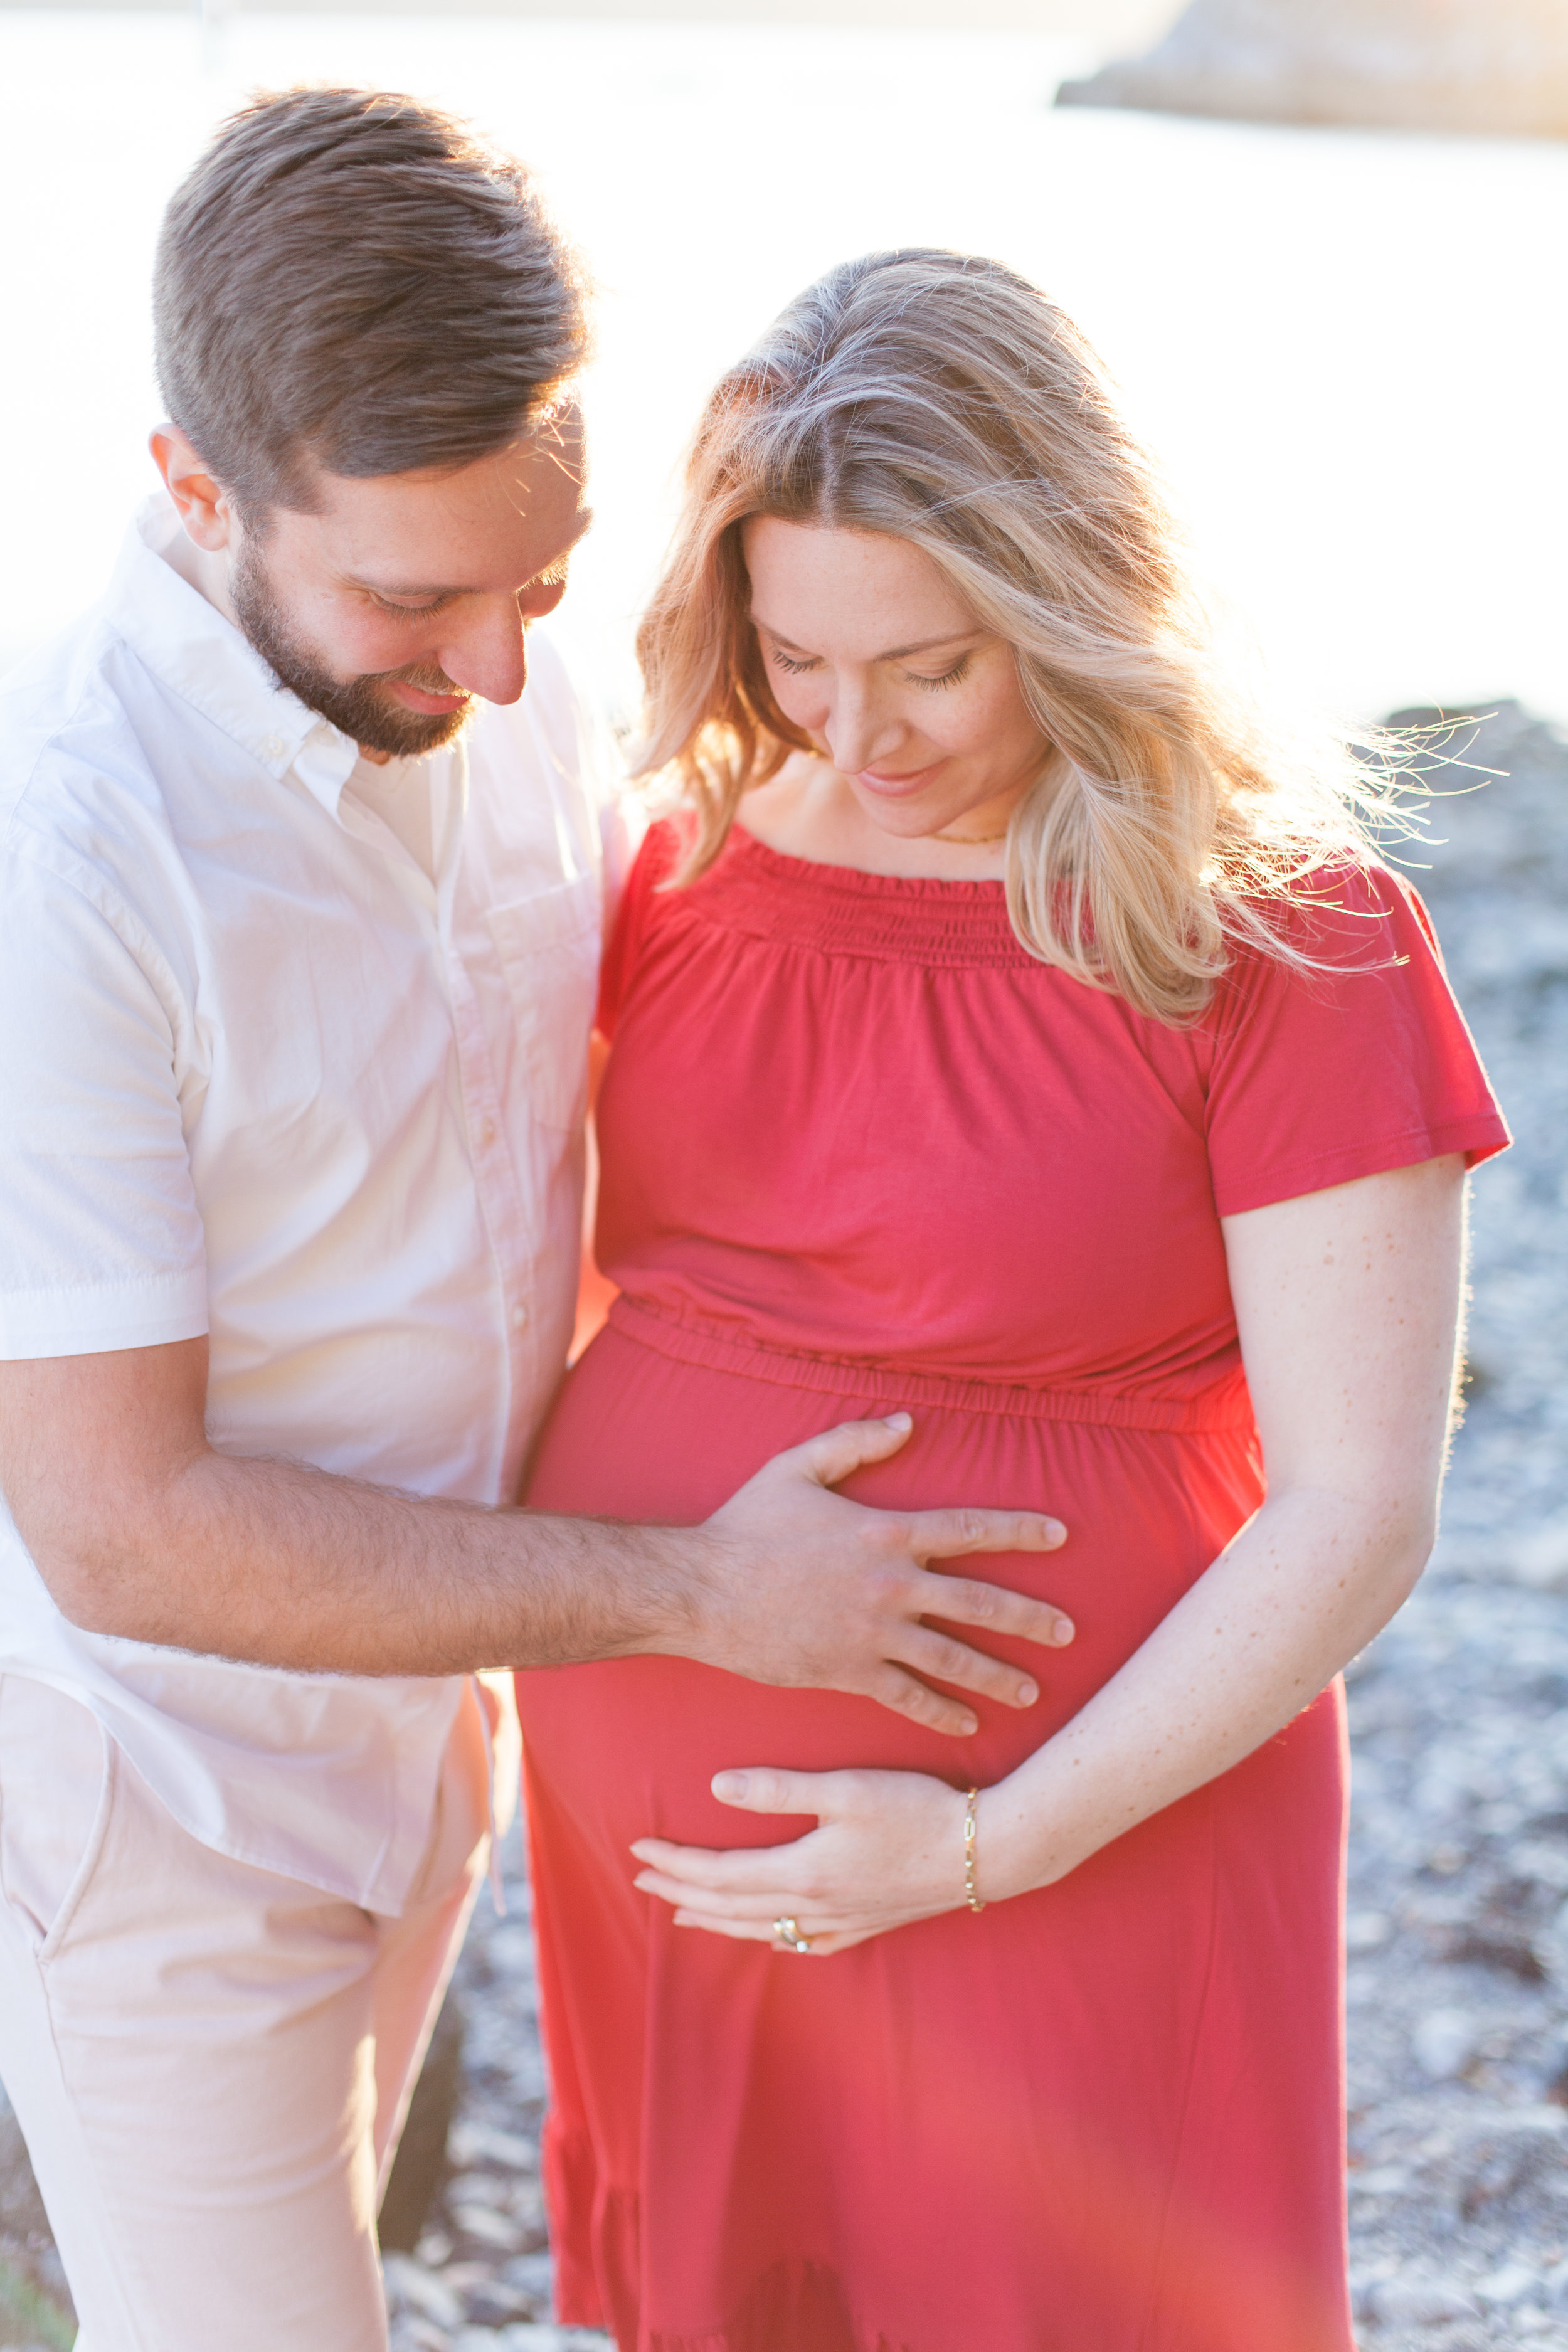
298,974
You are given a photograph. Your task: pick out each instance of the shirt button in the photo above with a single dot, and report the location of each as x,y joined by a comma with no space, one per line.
520,1319
274,747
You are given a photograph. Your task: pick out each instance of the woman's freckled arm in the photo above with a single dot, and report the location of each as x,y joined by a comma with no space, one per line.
1352,1379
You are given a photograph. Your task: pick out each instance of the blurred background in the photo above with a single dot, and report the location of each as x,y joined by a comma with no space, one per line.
1318,243
1346,347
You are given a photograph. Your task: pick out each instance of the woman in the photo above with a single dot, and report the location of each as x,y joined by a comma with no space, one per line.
1006,1034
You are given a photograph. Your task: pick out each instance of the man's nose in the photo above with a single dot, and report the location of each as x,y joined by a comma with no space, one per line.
485,653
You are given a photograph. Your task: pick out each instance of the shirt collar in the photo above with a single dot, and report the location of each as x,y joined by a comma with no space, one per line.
188,644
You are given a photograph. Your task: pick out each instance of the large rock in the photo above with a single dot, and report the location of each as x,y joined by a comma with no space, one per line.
1492,65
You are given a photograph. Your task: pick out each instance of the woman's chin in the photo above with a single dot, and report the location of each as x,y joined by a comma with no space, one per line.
907,817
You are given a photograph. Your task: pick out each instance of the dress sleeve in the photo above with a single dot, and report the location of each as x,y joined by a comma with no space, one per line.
655,861
1321,1077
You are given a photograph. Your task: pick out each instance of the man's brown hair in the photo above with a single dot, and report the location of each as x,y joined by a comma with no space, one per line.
351,282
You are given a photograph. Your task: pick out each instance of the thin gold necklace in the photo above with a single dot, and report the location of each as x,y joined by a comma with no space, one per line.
971,840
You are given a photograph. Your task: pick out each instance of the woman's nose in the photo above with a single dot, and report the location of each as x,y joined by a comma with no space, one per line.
858,736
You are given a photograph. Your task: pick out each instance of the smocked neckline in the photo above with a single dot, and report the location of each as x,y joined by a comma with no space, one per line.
784,861
770,894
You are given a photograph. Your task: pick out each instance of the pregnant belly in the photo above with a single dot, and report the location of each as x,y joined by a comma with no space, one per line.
630,1746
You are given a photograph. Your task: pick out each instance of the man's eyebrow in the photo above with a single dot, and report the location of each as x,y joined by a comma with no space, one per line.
450,588
894,653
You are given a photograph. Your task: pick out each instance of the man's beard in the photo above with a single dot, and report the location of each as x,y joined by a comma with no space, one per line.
360,709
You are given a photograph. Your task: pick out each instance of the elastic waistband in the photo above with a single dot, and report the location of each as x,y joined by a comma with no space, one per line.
1224,1405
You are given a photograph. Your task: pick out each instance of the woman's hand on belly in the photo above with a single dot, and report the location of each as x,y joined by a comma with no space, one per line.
888,1850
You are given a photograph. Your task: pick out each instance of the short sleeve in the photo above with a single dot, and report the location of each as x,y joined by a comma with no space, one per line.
654,863
101,1239
1321,1076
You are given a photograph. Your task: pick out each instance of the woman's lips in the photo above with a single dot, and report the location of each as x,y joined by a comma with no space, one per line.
896,787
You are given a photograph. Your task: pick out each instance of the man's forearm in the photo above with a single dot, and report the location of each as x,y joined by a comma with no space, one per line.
139,1529
280,1564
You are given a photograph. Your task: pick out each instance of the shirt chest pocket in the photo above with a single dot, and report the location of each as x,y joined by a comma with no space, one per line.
548,949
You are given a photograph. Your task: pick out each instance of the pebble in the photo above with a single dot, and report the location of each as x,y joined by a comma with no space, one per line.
1445,2042
419,2335
471,2143
1508,2286
1415,2300
409,2285
534,2273
485,2226
1381,2180
1541,1557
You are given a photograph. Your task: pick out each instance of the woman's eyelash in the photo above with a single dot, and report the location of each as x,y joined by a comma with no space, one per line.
933,684
948,677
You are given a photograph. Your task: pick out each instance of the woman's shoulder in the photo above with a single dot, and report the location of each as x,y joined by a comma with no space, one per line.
1350,931
665,846
1336,1047
1348,913
647,902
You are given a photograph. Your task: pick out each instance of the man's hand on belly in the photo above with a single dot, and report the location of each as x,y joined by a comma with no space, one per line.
805,1588
141,1530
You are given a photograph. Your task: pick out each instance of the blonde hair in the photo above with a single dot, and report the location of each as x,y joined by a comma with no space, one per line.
938,398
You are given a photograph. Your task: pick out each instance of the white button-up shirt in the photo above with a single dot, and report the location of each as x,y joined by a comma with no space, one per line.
263,1077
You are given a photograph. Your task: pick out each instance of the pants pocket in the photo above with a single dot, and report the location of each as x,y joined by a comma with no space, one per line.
57,1772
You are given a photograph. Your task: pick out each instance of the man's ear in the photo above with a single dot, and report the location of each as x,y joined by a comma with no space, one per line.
206,508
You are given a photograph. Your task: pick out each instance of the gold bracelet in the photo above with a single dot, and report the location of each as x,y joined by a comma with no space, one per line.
970,1895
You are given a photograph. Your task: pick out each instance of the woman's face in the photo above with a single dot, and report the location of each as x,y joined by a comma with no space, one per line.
880,662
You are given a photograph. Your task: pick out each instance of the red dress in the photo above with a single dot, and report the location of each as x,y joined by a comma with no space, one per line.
859,1153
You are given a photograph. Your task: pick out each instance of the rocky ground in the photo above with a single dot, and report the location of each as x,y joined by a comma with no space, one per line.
1458,1925
479,2278
1458,1902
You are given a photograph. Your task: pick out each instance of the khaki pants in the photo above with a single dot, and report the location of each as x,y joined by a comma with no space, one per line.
211,2063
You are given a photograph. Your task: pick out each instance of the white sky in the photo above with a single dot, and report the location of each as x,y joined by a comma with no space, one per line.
1347,350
